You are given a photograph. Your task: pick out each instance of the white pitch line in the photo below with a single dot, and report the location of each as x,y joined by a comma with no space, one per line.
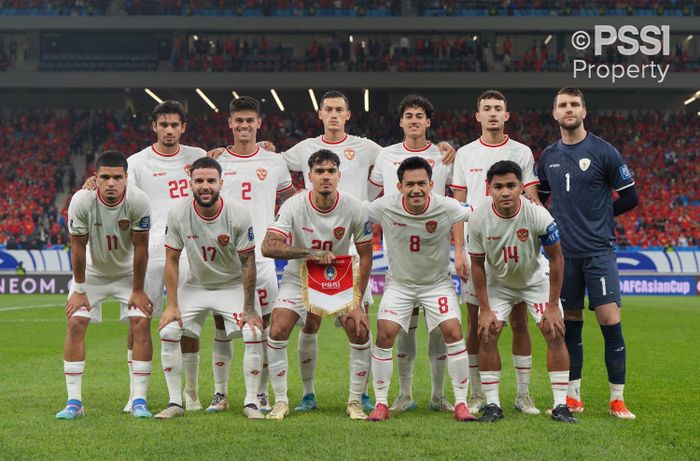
21,308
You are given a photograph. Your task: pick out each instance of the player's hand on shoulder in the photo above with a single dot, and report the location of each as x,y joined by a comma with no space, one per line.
139,299
90,183
76,301
268,146
216,152
171,314
321,256
448,152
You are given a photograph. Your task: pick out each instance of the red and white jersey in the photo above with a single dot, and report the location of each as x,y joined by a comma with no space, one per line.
334,230
388,161
165,179
356,155
512,245
109,227
474,160
418,244
253,182
212,244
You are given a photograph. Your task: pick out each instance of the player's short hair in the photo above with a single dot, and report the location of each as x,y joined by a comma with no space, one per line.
504,167
491,94
244,103
335,94
571,91
169,107
323,156
416,101
203,163
414,163
111,158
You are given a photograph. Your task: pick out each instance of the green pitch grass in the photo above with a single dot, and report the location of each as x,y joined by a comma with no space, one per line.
661,335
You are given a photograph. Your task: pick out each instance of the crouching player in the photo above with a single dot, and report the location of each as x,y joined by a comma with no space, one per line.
108,229
508,235
218,240
417,224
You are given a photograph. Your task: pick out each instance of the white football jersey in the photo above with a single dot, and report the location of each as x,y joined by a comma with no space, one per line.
109,227
164,178
512,245
306,226
418,245
253,182
356,155
212,244
388,161
474,160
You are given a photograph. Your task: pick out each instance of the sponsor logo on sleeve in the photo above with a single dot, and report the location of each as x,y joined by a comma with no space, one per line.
251,235
145,223
625,172
368,228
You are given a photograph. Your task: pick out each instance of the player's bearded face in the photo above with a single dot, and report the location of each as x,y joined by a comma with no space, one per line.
206,185
169,128
325,178
569,112
492,114
415,188
505,191
111,183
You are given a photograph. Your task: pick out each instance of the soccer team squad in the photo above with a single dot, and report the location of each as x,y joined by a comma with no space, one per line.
201,227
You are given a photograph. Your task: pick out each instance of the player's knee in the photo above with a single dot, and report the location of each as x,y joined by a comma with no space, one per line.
556,343
311,325
76,327
384,339
278,332
140,325
171,332
518,322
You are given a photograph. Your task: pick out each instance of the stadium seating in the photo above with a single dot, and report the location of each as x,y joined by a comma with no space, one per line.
661,148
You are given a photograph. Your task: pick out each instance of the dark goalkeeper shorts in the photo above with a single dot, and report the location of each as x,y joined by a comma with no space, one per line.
596,274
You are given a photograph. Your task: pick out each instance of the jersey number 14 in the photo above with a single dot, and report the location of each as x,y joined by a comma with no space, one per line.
510,254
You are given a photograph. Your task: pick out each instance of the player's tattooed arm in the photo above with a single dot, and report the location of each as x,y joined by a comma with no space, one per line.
488,324
275,246
78,298
284,195
250,315
172,275
139,298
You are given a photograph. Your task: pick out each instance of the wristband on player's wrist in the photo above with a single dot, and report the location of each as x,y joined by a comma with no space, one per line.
79,288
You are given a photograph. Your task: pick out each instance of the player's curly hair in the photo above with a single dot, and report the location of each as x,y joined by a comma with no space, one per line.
417,101
169,107
323,156
504,167
414,163
244,103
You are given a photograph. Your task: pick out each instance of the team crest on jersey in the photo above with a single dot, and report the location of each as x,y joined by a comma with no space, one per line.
522,234
124,224
187,169
338,232
262,173
330,273
431,226
431,162
223,240
584,163
349,153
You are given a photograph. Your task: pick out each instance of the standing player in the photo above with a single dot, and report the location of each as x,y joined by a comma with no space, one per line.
509,236
217,237
471,165
416,113
161,170
583,165
254,178
317,225
417,226
112,224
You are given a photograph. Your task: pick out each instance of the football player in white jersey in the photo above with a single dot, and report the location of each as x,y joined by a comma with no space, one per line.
318,224
218,239
469,184
254,178
416,113
508,236
417,225
161,170
109,230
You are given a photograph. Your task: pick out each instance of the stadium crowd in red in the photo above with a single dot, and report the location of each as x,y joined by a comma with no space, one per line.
661,149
